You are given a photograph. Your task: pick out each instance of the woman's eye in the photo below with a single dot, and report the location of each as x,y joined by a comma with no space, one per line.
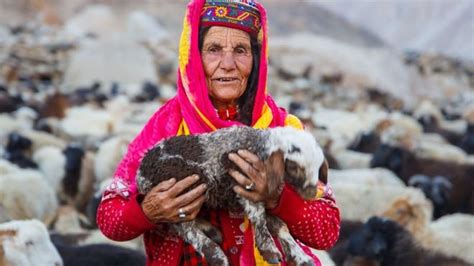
213,49
241,51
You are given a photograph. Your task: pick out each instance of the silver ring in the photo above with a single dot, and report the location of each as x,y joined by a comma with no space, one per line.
250,187
181,214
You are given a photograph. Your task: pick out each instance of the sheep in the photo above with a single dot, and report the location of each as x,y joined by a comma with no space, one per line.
78,182
41,139
450,235
93,204
387,243
405,164
437,189
432,120
34,200
51,162
108,156
413,216
347,159
206,155
338,252
16,151
372,177
467,142
446,235
27,243
74,226
97,254
358,202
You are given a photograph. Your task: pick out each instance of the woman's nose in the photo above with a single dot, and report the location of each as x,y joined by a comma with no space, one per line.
228,60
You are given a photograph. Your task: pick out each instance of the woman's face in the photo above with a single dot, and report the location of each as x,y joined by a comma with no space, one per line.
227,61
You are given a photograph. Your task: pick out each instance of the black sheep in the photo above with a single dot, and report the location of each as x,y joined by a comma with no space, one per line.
438,189
405,164
96,254
17,147
387,243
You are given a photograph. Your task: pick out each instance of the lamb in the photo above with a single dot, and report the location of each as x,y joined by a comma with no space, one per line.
27,243
206,155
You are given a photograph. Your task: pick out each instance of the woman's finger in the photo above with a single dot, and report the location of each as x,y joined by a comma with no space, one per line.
182,185
255,197
164,185
190,196
245,166
252,158
192,209
240,178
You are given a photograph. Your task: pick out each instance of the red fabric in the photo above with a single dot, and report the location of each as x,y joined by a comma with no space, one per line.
314,223
228,113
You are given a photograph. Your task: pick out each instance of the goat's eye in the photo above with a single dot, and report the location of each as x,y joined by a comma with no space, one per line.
291,167
29,243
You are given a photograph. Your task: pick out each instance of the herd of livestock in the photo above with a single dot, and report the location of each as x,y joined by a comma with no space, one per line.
403,176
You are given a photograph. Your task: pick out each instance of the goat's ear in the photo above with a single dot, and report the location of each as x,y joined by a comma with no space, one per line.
294,149
323,172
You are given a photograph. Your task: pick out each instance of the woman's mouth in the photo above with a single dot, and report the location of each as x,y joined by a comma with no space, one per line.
226,79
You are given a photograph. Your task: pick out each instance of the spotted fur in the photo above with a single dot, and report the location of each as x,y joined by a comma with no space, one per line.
207,156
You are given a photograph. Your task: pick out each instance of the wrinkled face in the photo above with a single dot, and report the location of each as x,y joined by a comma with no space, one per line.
227,61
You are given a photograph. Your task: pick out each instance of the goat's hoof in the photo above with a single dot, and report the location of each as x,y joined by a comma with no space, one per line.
300,260
271,256
217,262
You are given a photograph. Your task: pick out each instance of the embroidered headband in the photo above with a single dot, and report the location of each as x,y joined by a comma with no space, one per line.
239,14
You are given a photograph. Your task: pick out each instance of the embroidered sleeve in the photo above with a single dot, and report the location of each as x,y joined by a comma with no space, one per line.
120,218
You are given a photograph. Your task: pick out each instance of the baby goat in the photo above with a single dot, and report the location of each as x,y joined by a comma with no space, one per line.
207,156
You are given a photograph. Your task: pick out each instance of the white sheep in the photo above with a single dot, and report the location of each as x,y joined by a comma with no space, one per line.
51,162
359,202
108,156
449,235
27,243
206,155
373,177
25,194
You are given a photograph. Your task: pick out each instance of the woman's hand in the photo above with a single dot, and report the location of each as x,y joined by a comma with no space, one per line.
267,177
164,202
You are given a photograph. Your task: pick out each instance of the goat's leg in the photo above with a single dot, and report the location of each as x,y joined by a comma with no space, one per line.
209,230
263,239
293,252
191,234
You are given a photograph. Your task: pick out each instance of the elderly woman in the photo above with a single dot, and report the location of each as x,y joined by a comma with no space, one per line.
221,82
